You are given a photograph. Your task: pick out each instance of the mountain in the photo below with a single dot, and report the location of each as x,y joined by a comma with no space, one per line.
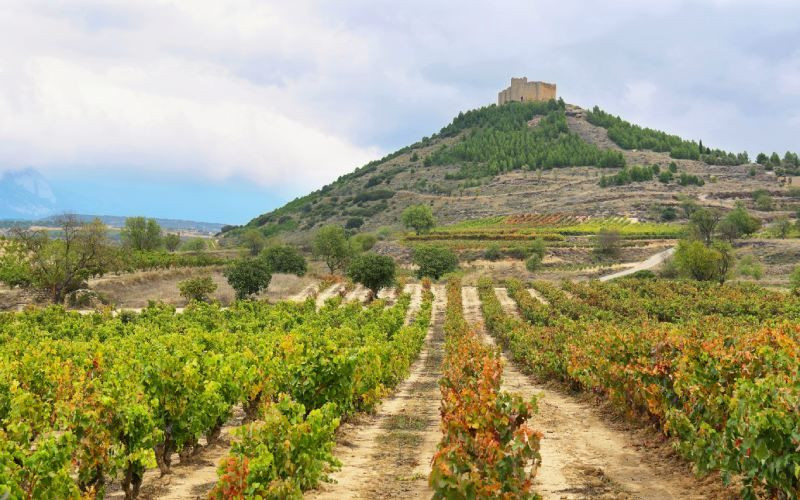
25,194
536,157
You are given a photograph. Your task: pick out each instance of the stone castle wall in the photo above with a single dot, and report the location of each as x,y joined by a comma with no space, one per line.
523,90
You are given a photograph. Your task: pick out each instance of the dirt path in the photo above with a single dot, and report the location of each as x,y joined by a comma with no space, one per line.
538,296
306,292
583,456
358,294
650,263
388,455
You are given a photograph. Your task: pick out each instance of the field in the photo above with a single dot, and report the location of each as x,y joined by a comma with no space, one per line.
101,404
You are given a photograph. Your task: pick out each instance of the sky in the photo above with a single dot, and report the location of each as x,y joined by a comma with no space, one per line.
220,111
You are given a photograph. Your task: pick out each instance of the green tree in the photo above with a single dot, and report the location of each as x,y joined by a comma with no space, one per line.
198,289
363,242
172,241
373,271
57,266
704,222
194,245
330,244
248,276
703,263
434,261
763,201
285,259
781,227
254,240
762,159
794,280
141,234
533,263
419,217
738,222
607,243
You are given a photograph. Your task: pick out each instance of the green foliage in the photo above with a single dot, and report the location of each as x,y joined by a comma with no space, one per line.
629,175
665,177
57,266
690,180
763,201
373,271
172,241
629,136
668,214
434,261
704,222
286,452
607,243
330,244
749,266
248,276
493,252
141,234
198,289
738,222
354,223
254,241
194,245
419,218
284,259
536,247
704,263
533,263
794,280
363,242
374,195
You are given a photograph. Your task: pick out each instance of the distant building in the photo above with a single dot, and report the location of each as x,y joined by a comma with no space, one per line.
523,90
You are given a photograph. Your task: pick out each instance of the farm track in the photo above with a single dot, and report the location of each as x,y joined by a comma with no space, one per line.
584,454
388,454
328,293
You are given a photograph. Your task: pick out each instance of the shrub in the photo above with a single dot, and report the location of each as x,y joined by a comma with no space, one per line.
794,280
248,276
434,262
285,259
419,217
763,201
606,243
363,242
493,252
536,247
331,244
198,289
354,223
749,266
194,245
172,241
668,214
373,271
533,263
703,263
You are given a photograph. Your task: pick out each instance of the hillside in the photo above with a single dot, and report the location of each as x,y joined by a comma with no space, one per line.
536,158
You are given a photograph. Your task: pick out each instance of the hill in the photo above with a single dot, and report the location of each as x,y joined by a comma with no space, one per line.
538,157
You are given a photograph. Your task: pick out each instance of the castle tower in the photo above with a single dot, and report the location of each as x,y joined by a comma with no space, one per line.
523,90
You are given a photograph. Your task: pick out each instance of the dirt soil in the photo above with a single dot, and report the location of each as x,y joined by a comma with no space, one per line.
585,454
388,454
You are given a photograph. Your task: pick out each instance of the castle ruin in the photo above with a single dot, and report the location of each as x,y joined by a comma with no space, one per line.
523,90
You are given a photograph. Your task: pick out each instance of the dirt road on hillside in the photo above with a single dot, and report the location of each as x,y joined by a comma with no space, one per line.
645,265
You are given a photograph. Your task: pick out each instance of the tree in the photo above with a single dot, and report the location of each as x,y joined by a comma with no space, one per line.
419,217
172,241
536,247
254,240
762,159
607,242
434,261
704,263
354,223
763,201
744,223
373,271
363,242
781,227
58,266
141,234
285,259
704,222
330,243
197,289
248,276
194,245
533,263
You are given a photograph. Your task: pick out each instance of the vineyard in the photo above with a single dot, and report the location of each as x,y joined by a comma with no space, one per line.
90,403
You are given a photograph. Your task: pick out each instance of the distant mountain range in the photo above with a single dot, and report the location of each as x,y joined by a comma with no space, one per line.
26,198
25,194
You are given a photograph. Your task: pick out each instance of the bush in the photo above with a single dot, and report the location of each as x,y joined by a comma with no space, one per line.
763,201
330,243
703,263
363,242
533,263
644,274
794,280
434,262
749,266
493,252
668,214
194,245
606,243
198,289
419,217
172,241
536,247
248,276
373,271
285,259
354,223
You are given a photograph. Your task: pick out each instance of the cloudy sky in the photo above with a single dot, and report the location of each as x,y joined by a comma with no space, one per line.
220,111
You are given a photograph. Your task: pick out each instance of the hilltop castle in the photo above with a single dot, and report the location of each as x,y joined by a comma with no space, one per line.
523,90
